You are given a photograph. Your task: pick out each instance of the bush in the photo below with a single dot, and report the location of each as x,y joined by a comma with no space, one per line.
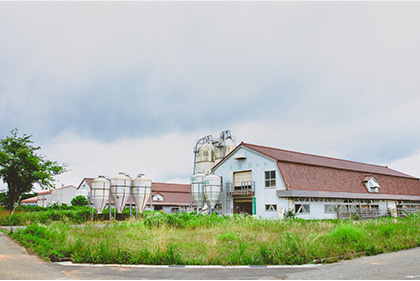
290,214
79,201
348,233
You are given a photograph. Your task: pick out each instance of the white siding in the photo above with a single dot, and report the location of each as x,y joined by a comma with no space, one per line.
63,195
257,164
44,200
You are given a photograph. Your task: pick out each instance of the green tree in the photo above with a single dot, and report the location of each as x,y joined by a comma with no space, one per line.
79,201
21,167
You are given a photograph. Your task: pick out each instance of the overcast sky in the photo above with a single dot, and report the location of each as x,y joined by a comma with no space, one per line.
110,86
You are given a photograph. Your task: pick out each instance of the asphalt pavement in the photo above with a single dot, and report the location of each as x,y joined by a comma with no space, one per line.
16,263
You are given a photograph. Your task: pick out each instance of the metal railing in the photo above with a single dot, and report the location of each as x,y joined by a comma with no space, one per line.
374,213
245,189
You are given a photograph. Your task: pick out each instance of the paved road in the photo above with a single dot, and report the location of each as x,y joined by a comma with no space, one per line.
15,263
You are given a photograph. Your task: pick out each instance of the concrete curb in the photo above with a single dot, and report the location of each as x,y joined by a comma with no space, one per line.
68,263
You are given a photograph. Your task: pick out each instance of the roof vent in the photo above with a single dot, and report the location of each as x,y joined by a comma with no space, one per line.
241,155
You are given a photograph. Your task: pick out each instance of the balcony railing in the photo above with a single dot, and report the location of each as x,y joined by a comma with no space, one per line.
247,188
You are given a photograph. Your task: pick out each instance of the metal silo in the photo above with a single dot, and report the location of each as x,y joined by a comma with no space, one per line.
205,158
141,191
120,190
100,192
212,188
197,189
229,145
219,153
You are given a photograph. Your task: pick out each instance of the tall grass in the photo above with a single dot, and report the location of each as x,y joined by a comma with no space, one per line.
207,240
25,215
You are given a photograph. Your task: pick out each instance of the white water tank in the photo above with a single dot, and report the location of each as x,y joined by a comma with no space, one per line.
205,159
197,189
141,191
100,192
120,190
212,188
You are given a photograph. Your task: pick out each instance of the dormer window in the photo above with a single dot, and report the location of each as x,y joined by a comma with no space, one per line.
371,183
158,197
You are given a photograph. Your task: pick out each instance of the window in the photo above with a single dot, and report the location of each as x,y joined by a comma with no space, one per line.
271,208
330,209
270,178
302,208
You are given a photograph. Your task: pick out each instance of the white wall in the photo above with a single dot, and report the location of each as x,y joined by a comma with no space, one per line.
63,195
44,200
258,164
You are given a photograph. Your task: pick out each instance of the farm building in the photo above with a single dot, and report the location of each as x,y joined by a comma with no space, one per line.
59,196
170,197
63,195
44,198
85,188
268,182
32,201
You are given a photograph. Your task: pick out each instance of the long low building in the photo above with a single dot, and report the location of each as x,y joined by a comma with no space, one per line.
170,197
269,182
59,196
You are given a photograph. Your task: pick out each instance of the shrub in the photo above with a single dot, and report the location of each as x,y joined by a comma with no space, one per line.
290,214
79,201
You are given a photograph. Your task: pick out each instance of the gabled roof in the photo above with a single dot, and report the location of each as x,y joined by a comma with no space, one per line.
88,181
315,160
307,172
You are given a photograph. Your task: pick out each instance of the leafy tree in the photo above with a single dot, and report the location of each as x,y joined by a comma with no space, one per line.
79,200
21,167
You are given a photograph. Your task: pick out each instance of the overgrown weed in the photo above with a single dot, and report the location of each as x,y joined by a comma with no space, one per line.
238,240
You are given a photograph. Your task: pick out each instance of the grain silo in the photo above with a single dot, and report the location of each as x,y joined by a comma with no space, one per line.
141,191
100,189
120,190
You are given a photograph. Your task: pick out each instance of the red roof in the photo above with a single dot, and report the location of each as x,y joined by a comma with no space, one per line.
44,192
88,181
302,171
315,160
173,193
31,199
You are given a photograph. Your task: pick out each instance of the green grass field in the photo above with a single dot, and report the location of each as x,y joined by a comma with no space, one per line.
190,239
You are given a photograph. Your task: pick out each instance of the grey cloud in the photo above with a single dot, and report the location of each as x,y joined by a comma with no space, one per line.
330,77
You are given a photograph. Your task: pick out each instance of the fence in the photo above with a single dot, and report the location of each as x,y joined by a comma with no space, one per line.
373,213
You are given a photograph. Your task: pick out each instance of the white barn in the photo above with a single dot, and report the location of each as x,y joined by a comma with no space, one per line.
44,198
63,195
59,196
268,182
